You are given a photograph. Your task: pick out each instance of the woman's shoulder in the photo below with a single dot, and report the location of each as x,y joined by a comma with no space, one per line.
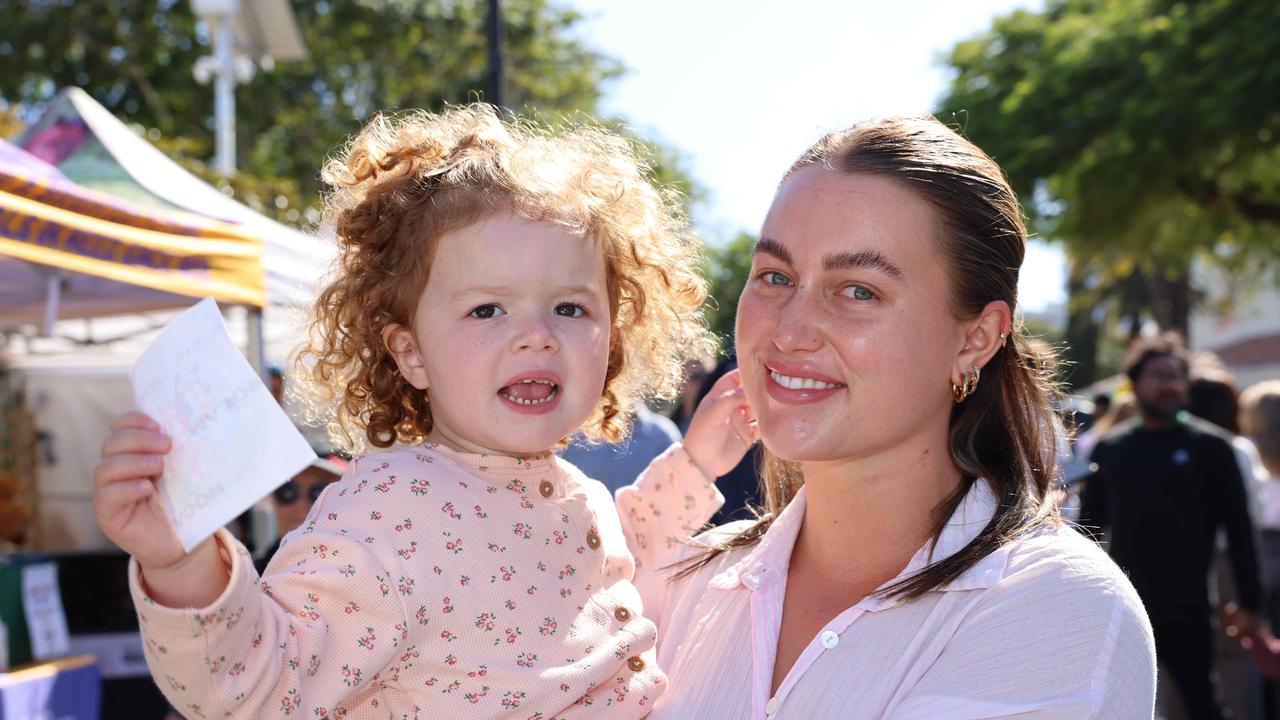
1049,612
1061,570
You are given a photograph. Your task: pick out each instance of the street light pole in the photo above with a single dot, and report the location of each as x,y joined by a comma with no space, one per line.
225,69
224,97
495,33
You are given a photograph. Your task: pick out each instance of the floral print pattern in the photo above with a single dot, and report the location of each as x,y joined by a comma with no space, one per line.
429,583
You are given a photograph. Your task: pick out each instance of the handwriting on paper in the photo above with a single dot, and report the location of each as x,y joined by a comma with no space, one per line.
231,442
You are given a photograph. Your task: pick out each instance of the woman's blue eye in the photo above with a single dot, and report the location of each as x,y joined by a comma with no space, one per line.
485,312
571,310
857,292
771,277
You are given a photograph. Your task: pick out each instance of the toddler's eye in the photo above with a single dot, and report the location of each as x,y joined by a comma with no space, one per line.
571,310
857,292
773,277
485,312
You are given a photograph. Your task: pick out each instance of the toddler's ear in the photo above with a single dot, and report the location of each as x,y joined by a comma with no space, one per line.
404,350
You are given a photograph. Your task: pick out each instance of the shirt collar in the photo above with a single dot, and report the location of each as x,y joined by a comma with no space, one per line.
766,563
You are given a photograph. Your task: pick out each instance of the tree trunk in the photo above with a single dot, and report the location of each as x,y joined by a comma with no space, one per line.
1174,283
1135,298
1082,331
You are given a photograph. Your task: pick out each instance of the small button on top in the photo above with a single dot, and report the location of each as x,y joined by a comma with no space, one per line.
622,614
636,664
772,707
829,639
546,488
593,539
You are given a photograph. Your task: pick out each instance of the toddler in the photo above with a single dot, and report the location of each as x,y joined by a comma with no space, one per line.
498,288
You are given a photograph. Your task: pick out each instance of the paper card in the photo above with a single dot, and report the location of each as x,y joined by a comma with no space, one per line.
42,605
232,443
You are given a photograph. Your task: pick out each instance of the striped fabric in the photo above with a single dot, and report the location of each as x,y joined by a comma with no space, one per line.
1046,627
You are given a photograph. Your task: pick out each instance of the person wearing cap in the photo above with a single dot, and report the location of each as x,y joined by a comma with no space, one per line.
293,500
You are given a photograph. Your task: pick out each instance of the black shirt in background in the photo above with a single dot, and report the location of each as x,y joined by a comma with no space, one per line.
1163,494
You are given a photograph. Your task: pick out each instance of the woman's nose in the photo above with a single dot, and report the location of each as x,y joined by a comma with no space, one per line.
796,330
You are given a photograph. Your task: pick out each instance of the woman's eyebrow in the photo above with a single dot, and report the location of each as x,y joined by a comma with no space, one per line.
772,247
869,259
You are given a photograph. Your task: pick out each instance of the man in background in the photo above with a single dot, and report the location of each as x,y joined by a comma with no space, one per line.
1165,483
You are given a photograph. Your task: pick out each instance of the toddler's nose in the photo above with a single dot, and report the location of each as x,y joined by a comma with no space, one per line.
536,334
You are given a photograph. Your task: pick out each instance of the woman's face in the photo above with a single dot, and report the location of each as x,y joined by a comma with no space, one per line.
844,333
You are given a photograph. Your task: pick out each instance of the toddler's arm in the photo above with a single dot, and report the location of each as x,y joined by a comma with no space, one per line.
321,629
676,495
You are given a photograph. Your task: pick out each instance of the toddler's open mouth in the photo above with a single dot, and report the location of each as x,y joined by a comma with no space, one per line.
530,391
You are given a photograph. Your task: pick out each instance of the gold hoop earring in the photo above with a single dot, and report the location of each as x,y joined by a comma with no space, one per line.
967,386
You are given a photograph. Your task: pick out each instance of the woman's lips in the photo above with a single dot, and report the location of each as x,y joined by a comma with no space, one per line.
793,387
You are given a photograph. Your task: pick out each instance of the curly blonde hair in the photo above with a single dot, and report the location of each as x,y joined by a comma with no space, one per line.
404,181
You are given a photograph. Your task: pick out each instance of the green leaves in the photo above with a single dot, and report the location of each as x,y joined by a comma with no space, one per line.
1140,133
366,56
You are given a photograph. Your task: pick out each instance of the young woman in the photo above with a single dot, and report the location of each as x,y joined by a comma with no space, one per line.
910,563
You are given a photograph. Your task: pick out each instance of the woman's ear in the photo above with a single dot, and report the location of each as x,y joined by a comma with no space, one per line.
404,350
984,335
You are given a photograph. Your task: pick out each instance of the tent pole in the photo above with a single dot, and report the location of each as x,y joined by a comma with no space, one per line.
257,345
52,298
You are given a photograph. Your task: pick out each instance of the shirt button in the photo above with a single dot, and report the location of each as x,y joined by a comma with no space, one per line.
829,639
622,614
593,540
772,707
636,664
546,488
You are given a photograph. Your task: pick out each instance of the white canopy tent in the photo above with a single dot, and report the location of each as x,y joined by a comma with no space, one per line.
113,158
75,383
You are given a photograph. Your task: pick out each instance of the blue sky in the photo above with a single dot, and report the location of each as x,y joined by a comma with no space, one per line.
741,87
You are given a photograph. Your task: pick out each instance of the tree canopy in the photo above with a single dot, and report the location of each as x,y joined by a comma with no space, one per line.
366,56
728,268
1143,134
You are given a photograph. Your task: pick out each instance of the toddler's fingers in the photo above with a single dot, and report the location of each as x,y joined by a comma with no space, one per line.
745,425
719,406
126,467
134,419
134,440
112,498
726,382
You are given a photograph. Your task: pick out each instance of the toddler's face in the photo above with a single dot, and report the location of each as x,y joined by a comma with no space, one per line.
511,336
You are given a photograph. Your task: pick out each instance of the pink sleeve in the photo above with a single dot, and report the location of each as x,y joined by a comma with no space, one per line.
322,628
667,505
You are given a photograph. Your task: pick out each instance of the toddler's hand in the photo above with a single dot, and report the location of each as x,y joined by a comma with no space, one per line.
722,429
124,492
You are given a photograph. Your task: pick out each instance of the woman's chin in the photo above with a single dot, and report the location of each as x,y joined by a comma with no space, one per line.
799,448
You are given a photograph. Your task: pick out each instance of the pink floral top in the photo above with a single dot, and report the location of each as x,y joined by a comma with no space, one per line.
429,583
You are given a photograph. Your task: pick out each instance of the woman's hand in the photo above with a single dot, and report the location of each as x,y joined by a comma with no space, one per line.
722,429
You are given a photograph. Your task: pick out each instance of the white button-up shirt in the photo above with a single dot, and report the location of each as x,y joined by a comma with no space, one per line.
1045,627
